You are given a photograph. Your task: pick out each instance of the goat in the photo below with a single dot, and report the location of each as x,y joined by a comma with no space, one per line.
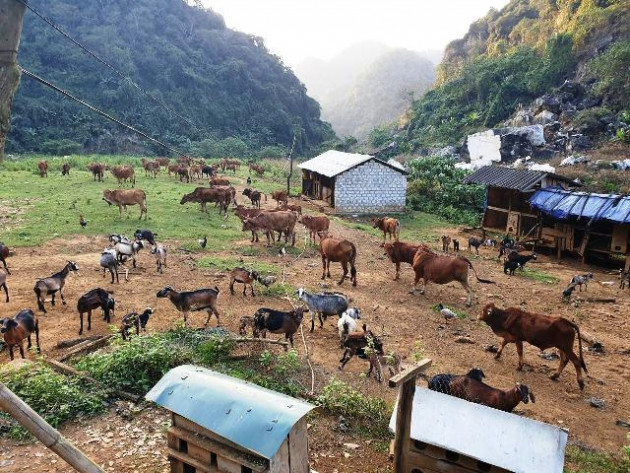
446,243
201,299
378,360
246,278
342,251
514,257
128,250
476,243
361,344
248,321
3,284
160,257
442,382
511,266
275,321
566,294
324,304
4,253
133,319
109,261
475,391
146,235
53,284
92,300
347,323
581,279
18,328
117,238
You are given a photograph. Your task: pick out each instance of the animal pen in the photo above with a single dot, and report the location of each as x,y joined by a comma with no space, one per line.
436,432
223,424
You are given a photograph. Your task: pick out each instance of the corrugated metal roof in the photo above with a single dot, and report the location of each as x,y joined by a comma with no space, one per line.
499,438
332,163
563,204
510,178
256,418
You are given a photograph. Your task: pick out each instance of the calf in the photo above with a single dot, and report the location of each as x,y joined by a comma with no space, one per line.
18,328
455,245
42,167
517,326
442,382
219,181
400,252
315,224
446,243
280,196
581,279
275,321
388,225
92,300
133,319
341,251
97,170
65,169
475,391
254,196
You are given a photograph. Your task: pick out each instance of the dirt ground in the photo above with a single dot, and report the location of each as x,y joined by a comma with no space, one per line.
124,440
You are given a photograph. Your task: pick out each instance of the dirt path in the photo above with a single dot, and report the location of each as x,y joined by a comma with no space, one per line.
409,326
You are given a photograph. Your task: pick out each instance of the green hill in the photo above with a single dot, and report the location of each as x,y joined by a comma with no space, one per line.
236,97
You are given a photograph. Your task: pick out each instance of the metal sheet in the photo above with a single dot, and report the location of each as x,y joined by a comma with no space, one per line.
256,418
499,438
332,163
509,178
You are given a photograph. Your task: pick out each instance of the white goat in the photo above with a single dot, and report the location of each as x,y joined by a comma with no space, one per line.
348,323
160,256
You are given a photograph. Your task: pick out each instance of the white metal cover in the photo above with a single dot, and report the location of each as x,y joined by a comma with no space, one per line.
499,438
334,162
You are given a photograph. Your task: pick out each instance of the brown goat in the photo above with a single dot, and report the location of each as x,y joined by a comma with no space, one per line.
517,326
429,266
388,225
4,254
93,300
470,389
201,299
18,328
275,321
341,251
248,321
246,278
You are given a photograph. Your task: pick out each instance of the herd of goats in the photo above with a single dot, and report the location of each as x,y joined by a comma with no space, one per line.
512,324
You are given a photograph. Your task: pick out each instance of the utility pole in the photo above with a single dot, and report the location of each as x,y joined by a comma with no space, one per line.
11,15
296,132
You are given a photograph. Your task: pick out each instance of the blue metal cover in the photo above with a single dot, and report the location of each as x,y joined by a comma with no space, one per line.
255,418
562,204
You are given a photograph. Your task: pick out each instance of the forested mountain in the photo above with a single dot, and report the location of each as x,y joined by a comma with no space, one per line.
525,51
236,96
367,85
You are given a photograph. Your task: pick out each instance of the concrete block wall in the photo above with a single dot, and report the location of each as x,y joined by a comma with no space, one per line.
370,188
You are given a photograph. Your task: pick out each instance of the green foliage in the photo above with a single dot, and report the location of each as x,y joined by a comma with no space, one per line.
538,276
55,397
583,460
436,187
229,263
370,413
230,95
611,71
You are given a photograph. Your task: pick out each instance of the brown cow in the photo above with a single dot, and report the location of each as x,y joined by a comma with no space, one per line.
429,266
254,196
219,181
97,170
124,173
401,252
42,166
257,168
65,169
269,222
315,224
387,225
163,161
280,196
124,197
517,326
172,168
150,167
342,251
4,254
183,173
223,196
292,207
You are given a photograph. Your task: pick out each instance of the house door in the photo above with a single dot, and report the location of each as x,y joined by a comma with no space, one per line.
513,222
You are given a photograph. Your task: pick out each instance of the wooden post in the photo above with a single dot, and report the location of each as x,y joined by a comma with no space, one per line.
37,426
403,414
11,15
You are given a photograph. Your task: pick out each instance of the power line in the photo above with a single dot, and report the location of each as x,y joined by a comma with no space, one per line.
105,63
94,109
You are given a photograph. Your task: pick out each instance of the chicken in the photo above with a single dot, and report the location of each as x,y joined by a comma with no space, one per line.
446,312
83,222
203,241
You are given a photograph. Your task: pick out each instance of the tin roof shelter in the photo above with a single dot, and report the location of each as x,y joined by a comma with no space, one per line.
355,183
225,424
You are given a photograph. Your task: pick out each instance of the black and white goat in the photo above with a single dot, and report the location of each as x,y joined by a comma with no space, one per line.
126,250
137,320
347,323
160,257
581,279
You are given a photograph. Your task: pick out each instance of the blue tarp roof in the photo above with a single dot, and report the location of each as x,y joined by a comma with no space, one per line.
255,418
562,204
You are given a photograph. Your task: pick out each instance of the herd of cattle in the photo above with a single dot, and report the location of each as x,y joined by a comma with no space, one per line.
512,324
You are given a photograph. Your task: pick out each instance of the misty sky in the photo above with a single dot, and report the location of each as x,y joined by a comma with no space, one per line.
296,29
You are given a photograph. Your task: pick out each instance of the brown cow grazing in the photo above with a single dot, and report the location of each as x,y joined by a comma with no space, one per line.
42,167
257,168
446,243
221,195
401,252
150,167
65,169
429,266
124,197
341,251
280,196
517,326
97,170
124,173
4,254
388,225
315,224
219,181
478,392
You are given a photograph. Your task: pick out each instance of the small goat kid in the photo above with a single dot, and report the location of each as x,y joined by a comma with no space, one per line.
18,328
109,261
133,319
247,278
347,323
53,284
160,257
186,302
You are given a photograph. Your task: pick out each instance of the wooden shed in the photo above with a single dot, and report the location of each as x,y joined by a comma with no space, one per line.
440,433
223,424
355,183
507,209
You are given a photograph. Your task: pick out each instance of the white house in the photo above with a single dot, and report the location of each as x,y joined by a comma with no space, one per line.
355,183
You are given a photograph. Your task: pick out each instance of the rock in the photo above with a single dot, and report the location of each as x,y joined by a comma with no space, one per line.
572,88
596,402
545,117
580,142
351,446
491,348
547,103
622,423
597,347
548,356
462,339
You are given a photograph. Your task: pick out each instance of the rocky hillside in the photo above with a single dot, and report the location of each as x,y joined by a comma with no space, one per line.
366,86
225,94
511,67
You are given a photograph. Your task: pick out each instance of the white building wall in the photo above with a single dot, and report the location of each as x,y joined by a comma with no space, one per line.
371,187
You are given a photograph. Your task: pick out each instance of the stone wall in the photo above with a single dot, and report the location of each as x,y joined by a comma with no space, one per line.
371,187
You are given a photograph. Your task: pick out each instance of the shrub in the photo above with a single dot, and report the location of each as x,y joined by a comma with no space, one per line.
611,71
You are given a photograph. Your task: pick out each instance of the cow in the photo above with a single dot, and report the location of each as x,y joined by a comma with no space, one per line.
269,222
400,252
97,170
388,225
124,173
517,326
446,243
342,251
315,224
124,197
65,169
257,168
254,196
150,167
172,168
222,195
219,181
429,266
164,162
42,167
183,173
280,196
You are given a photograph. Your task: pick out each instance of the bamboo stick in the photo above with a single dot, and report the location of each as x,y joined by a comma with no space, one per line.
51,438
83,347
